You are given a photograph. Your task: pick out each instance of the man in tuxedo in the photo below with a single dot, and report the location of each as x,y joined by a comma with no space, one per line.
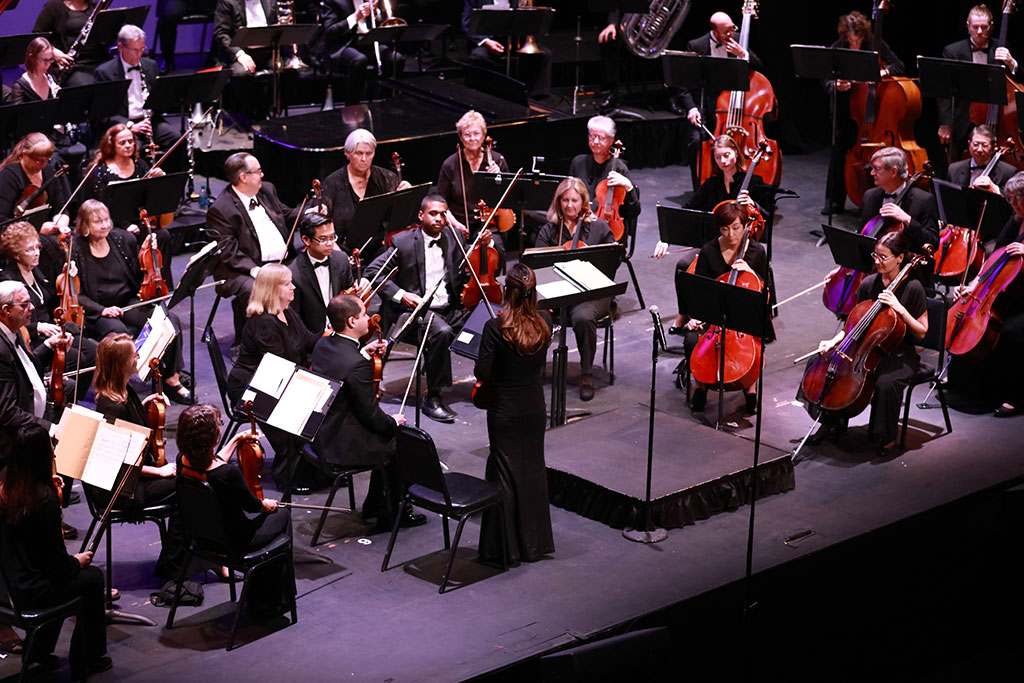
429,260
129,64
968,172
917,210
319,273
719,42
251,226
231,15
355,430
954,126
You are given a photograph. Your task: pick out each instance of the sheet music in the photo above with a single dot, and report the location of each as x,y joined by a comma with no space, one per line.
152,341
272,375
76,431
556,288
110,449
584,274
305,394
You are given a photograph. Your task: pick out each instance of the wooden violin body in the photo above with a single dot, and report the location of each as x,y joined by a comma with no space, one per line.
35,196
250,455
156,412
485,261
504,219
609,199
151,261
974,322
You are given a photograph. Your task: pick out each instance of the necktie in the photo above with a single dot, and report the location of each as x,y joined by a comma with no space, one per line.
975,48
253,203
889,195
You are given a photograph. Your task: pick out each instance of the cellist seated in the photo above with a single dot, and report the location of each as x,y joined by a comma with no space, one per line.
916,208
970,172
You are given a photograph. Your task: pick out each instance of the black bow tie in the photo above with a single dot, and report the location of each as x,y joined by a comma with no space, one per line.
134,68
889,195
321,264
975,48
435,243
253,203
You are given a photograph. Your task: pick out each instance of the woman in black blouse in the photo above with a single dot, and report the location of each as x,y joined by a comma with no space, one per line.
108,266
457,179
63,20
274,328
36,83
37,564
513,351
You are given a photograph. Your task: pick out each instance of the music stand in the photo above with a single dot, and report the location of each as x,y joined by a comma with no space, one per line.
196,272
392,35
531,21
92,102
109,22
982,211
850,249
157,195
179,93
954,79
376,216
273,37
533,192
685,227
467,342
12,48
18,120
832,64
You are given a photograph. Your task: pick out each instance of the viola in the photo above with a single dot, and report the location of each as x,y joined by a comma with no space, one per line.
576,242
885,113
484,261
68,288
609,199
35,196
156,412
151,261
842,380
974,322
377,356
396,161
841,284
505,217
1002,118
742,352
250,455
741,115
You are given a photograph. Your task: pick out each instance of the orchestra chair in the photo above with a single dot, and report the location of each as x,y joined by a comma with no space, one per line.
449,494
607,323
203,522
158,514
236,418
934,340
340,475
30,620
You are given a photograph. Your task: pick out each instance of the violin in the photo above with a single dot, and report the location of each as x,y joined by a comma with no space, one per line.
1002,119
885,113
250,455
576,242
741,115
609,199
506,218
974,322
377,356
842,380
156,412
484,263
840,292
151,261
397,163
68,288
742,352
35,196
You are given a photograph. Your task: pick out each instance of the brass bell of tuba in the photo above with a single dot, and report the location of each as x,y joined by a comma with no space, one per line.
647,35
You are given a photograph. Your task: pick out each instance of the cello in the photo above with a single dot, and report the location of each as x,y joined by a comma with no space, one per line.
741,115
755,220
842,380
1002,119
609,199
885,113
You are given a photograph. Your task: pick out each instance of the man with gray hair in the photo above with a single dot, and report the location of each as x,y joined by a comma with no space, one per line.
915,208
130,64
600,165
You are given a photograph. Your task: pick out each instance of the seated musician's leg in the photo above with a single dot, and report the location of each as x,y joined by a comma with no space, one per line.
437,363
883,425
354,65
238,289
583,318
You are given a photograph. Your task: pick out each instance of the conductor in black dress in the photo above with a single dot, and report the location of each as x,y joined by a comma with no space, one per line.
568,213
355,430
513,352
429,260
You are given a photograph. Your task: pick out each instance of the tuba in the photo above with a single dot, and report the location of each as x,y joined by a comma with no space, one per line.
647,35
286,17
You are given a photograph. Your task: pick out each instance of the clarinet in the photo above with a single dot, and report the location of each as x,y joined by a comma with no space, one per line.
83,36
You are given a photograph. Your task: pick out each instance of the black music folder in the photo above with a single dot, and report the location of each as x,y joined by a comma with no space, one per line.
288,397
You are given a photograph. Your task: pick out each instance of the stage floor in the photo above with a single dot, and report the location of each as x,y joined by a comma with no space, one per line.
356,623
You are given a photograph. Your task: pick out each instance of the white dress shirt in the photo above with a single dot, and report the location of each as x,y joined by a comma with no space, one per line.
433,260
38,390
254,14
272,246
138,92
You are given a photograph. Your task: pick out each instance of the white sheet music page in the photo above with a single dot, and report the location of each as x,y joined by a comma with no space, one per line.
305,394
272,375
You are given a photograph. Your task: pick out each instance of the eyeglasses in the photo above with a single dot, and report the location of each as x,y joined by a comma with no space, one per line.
23,304
258,171
326,239
881,258
599,136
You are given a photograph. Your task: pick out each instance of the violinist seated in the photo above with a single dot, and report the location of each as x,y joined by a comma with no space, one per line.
567,213
117,400
970,172
723,184
111,278
356,180
273,327
356,432
117,158
429,259
145,124
320,273
600,164
999,377
343,21
20,244
457,182
909,303
30,167
716,258
854,34
978,47
917,211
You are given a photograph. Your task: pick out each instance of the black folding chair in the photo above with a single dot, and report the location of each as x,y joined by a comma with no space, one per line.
340,475
220,372
934,340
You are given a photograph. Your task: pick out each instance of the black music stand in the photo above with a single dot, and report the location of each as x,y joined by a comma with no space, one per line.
157,195
531,21
179,93
392,35
274,37
980,210
952,78
832,64
109,22
533,192
18,120
196,272
602,256
376,216
93,102
467,342
12,48
686,227
850,249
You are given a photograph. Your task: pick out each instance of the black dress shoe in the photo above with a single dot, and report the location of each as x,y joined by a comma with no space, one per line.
751,404
586,388
411,519
832,208
434,408
698,399
301,490
70,532
74,497
675,105
1007,410
94,667
678,331
179,394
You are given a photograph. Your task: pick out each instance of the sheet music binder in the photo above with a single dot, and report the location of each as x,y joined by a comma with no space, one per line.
264,402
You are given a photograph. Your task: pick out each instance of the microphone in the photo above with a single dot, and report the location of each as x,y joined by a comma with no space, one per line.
658,329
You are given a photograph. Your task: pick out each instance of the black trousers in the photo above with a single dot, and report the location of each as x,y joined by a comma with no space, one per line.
89,639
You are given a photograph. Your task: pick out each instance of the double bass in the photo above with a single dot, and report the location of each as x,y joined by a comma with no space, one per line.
741,115
885,113
1002,119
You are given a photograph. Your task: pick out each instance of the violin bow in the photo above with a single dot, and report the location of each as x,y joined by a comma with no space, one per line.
476,278
416,365
298,217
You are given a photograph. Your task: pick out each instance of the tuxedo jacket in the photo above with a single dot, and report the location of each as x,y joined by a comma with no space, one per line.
16,400
228,222
113,70
960,173
702,46
308,301
924,215
960,119
335,33
228,17
355,430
